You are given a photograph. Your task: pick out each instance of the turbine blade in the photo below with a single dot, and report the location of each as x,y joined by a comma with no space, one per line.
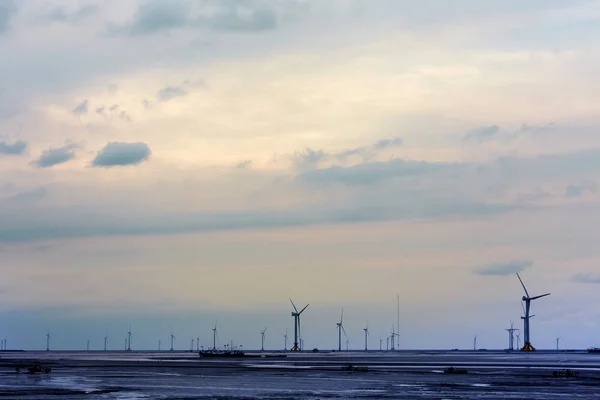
342,316
540,296
523,307
293,305
522,284
343,330
303,309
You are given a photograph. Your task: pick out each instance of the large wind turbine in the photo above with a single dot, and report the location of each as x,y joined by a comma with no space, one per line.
528,299
47,342
172,338
296,315
366,329
340,326
511,336
262,339
129,339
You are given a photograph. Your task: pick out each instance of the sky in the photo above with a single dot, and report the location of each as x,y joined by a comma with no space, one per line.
172,165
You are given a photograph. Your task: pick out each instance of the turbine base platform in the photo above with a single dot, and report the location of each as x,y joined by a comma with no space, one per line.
528,347
295,348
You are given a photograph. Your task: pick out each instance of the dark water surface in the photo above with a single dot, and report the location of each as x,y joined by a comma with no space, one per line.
404,375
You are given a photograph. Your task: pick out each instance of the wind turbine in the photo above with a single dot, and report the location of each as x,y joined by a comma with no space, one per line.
105,341
198,342
528,299
262,338
88,345
285,341
366,329
475,342
511,336
296,315
129,339
47,342
557,339
392,337
172,338
340,326
215,336
518,335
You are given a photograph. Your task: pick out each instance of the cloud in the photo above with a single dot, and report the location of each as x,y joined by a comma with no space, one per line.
81,108
373,172
155,16
308,158
15,148
504,268
586,278
7,9
244,164
60,14
88,222
118,154
576,190
113,112
56,156
171,92
482,134
26,197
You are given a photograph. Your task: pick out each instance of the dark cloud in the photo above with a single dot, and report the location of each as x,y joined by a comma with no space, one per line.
8,8
155,16
118,154
56,156
482,134
586,278
81,108
576,190
244,164
504,268
171,92
60,14
15,148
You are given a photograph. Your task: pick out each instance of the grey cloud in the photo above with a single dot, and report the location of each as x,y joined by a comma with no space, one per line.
388,143
119,154
576,190
308,158
155,16
15,148
7,10
60,14
17,227
26,197
171,92
373,172
81,108
244,164
113,111
482,134
504,268
586,278
56,156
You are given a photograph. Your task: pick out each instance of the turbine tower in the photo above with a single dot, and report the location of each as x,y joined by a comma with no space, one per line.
518,335
198,342
366,329
47,342
285,341
262,339
392,337
528,299
557,339
105,341
340,326
511,336
475,342
129,339
296,315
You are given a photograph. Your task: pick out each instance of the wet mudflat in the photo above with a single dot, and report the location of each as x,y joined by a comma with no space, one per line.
399,376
